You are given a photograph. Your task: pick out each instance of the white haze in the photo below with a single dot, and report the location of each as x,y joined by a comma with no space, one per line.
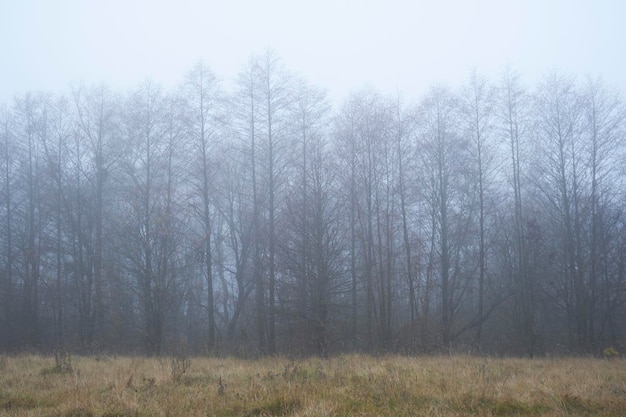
402,46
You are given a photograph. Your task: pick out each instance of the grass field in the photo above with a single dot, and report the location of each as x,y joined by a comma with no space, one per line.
350,385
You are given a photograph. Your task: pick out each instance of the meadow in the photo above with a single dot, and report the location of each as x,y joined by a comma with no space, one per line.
349,385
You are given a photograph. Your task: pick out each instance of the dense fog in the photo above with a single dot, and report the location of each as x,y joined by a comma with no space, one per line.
261,219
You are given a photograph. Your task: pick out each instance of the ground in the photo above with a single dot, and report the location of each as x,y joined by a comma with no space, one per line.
350,385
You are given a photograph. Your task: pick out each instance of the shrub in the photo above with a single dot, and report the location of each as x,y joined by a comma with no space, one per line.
179,366
62,363
610,352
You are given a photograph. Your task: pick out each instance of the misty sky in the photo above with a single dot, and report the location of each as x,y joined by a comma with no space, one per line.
339,45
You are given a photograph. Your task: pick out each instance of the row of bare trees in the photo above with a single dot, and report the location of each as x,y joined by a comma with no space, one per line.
260,220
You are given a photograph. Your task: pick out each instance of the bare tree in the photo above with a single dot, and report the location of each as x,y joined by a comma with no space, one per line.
561,163
365,135
8,178
97,126
273,83
245,105
603,126
203,98
150,228
477,103
447,191
31,128
514,118
309,241
55,150
346,145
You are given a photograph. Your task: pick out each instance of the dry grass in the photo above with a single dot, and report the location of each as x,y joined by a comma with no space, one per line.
344,386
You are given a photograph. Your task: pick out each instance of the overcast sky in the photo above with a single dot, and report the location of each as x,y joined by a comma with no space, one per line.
403,46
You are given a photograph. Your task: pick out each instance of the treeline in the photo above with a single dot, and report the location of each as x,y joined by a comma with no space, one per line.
487,219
